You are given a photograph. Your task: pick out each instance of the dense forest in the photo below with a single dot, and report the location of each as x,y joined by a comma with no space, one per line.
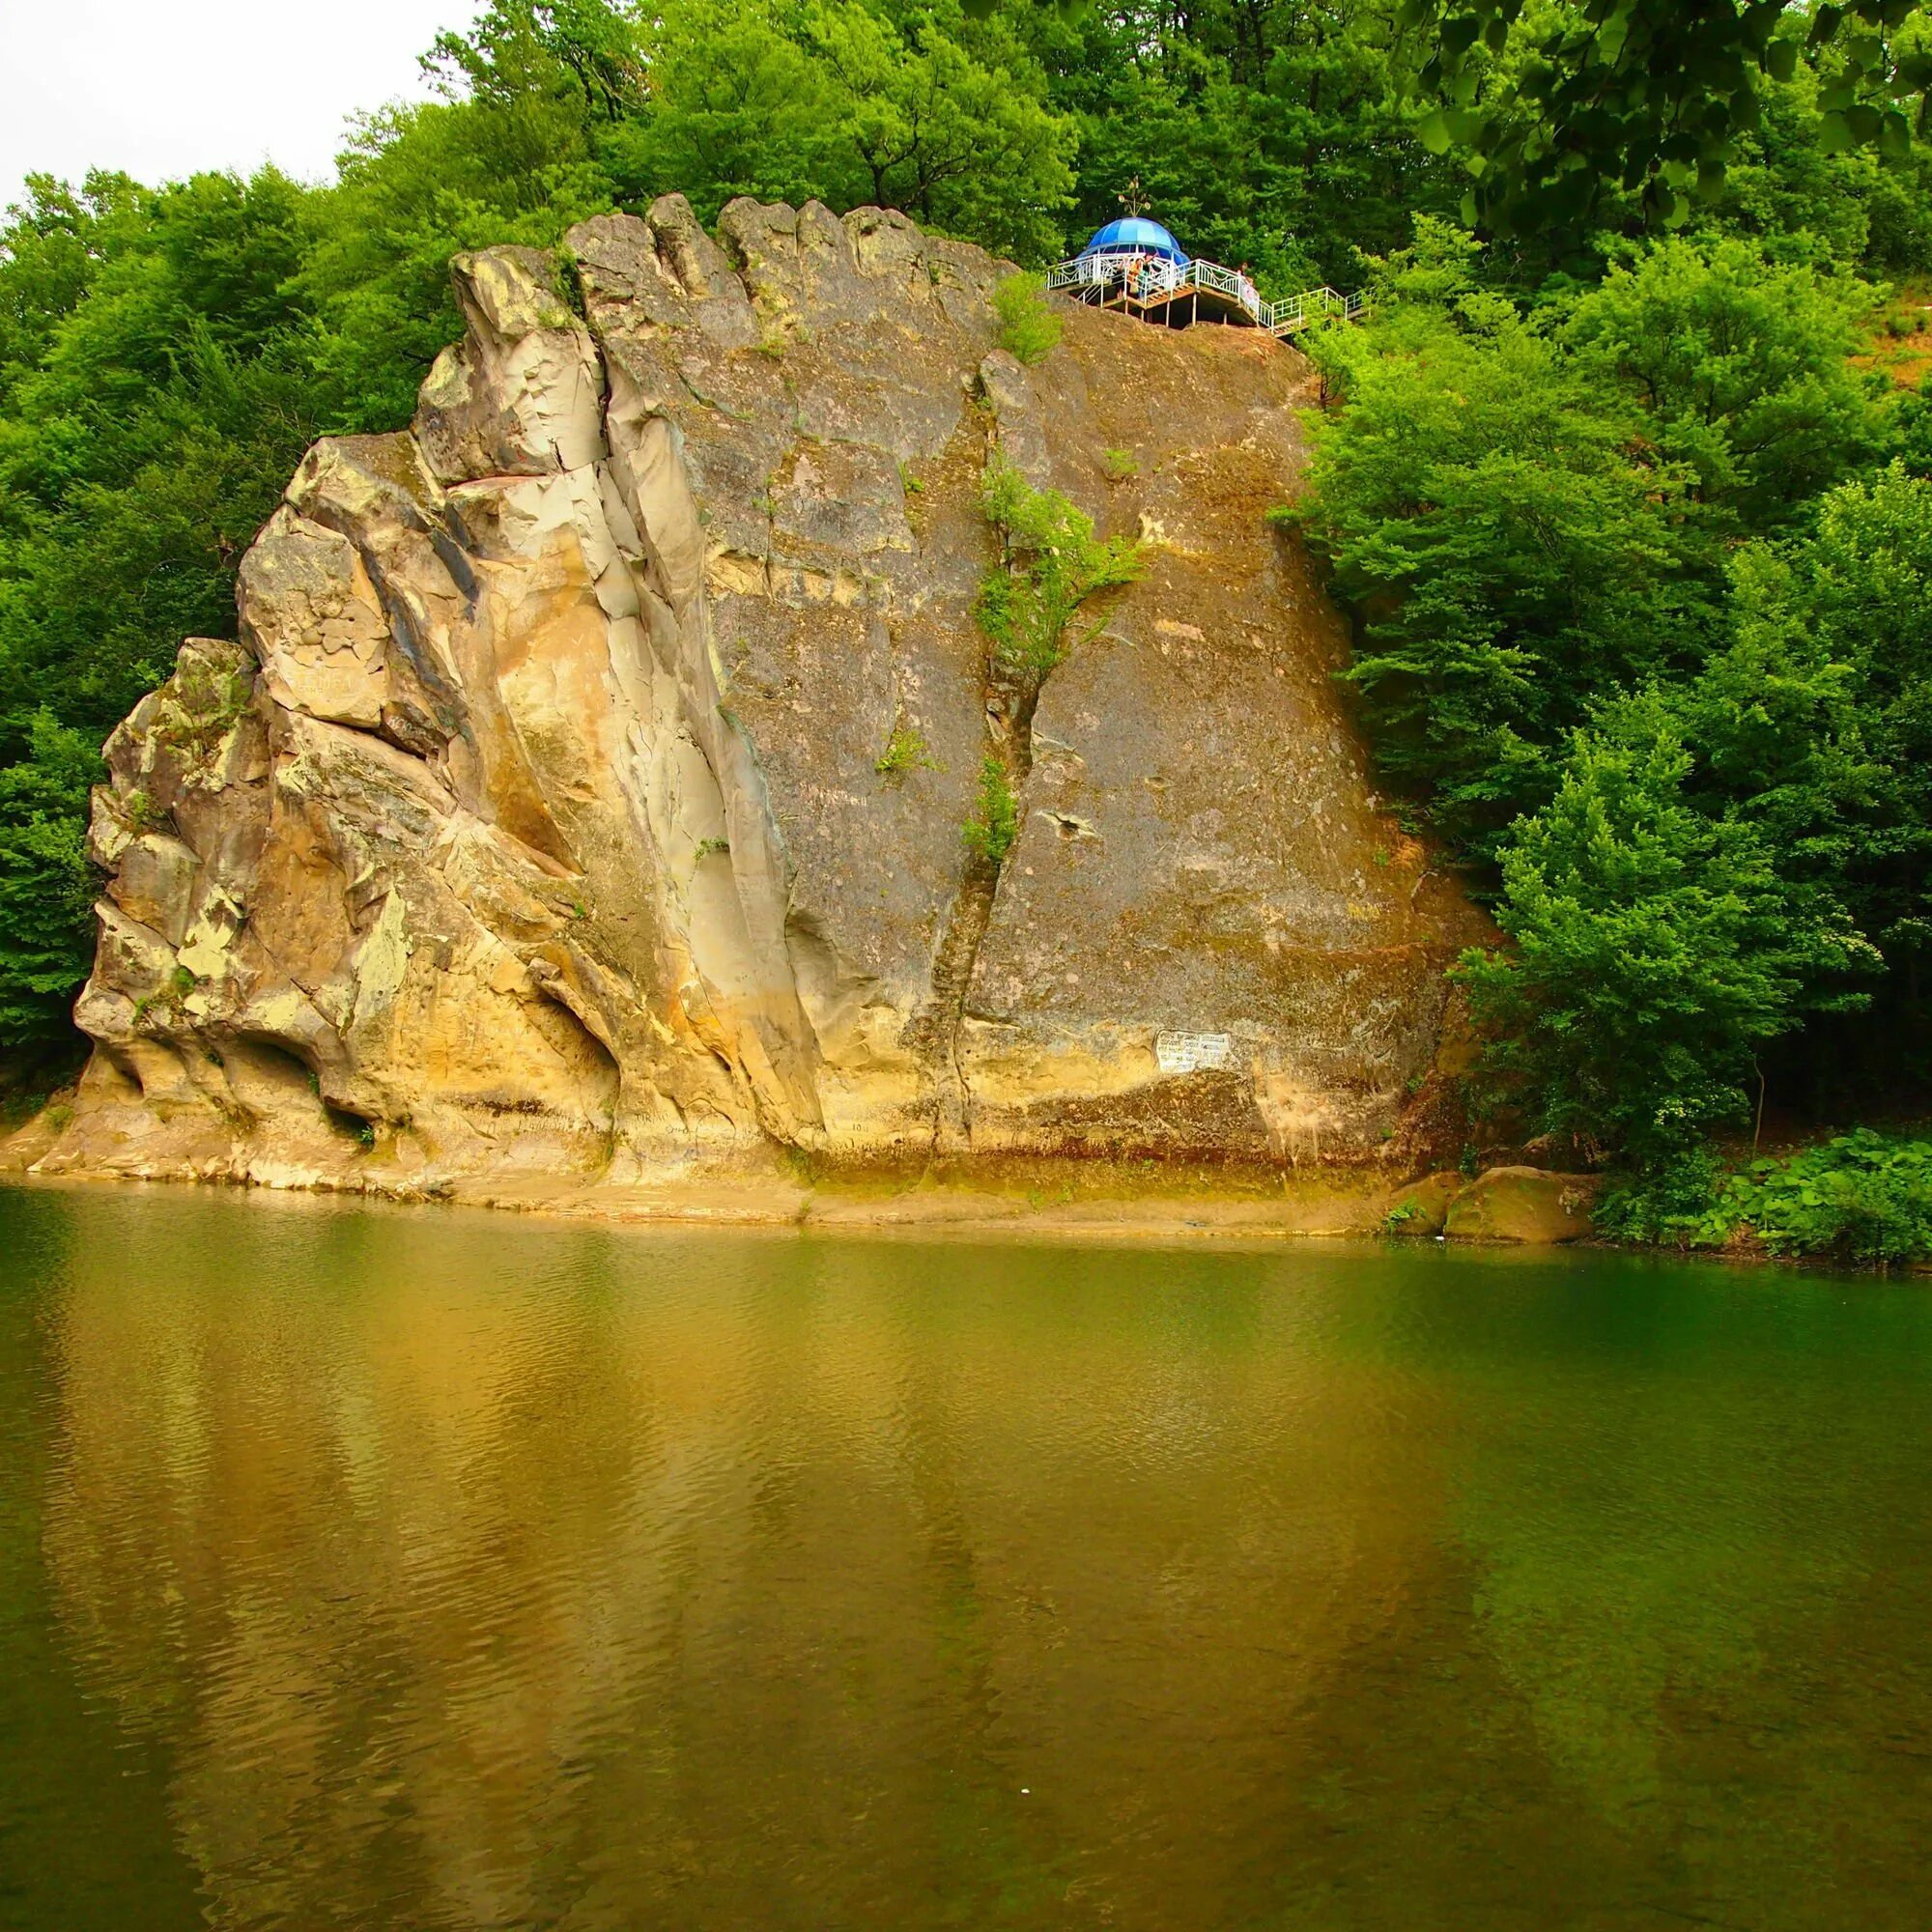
1627,484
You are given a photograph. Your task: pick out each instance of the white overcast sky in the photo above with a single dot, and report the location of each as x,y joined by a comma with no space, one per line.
161,88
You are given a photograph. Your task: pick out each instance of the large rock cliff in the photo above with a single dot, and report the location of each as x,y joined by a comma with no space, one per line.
536,826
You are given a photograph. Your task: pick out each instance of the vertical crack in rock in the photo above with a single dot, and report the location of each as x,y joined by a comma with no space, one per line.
1009,697
935,1031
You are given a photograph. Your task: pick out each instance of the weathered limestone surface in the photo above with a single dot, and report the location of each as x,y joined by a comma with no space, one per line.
533,828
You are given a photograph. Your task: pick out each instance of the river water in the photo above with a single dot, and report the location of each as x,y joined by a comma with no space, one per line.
425,1568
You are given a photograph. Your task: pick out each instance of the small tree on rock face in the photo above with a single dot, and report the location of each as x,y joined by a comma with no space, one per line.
1028,328
1051,563
995,825
1655,949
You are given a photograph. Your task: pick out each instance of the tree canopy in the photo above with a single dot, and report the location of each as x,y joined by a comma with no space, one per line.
1550,102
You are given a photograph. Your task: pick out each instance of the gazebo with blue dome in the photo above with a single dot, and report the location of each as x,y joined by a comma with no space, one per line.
1134,265
1136,235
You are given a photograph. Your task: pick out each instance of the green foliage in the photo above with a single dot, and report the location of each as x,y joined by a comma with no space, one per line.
1028,330
1051,565
1120,464
1813,726
148,438
1649,94
995,823
926,110
1530,510
1738,365
1656,949
1510,537
1659,1206
1274,133
520,52
47,885
1863,1196
905,750
1834,747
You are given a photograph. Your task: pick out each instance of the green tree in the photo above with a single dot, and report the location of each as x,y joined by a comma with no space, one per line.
741,106
1738,363
1051,563
144,445
1552,103
1508,533
1274,133
517,52
1816,724
47,885
414,187
1528,512
1656,949
945,120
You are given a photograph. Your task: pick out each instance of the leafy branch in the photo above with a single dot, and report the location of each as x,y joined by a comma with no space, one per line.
1551,105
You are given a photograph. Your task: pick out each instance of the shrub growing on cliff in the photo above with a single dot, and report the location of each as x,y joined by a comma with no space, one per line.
906,750
1051,563
1028,330
995,824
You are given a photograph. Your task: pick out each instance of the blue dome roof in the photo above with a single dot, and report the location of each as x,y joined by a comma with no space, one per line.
1135,236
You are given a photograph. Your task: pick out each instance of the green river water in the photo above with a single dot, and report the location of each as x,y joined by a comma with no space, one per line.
421,1569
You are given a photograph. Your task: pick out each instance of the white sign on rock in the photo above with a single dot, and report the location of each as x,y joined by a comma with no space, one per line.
1192,1052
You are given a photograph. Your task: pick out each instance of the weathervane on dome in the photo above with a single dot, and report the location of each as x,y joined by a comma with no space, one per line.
1134,201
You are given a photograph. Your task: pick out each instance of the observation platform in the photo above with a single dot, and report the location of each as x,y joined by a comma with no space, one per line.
1136,267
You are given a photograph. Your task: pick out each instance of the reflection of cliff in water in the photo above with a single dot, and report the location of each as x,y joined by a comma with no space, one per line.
507,1577
452,1571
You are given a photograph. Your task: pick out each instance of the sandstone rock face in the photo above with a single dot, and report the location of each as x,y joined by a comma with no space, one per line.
1525,1204
536,824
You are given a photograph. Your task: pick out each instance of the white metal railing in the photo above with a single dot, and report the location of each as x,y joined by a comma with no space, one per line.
1148,279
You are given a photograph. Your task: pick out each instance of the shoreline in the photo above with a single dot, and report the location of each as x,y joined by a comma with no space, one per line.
992,1197
987,1201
